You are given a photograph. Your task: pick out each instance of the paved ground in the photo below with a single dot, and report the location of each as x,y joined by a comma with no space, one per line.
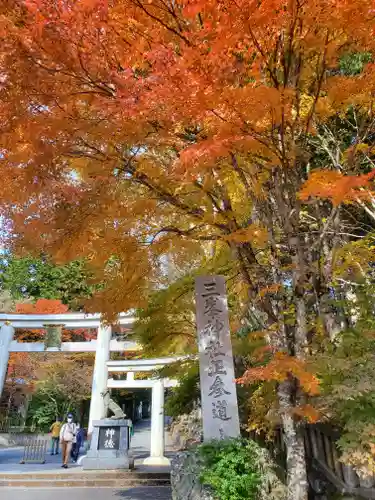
141,441
10,462
141,493
140,446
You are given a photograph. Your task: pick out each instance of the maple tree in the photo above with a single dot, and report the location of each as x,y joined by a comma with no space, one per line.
42,306
49,306
166,325
63,385
20,365
21,375
132,130
59,384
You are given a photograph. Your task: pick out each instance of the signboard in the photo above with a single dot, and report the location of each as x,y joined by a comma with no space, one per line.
218,387
109,438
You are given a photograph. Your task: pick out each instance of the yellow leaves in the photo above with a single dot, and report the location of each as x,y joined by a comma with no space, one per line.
357,149
241,205
336,187
241,292
70,374
361,460
178,249
362,456
262,405
254,233
81,166
323,108
149,167
139,86
305,105
353,259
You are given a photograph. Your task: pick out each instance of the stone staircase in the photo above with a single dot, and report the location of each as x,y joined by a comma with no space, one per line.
84,479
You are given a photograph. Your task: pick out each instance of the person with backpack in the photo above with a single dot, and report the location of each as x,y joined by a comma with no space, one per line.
67,438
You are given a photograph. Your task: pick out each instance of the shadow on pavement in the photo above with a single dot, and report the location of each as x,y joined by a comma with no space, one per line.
145,493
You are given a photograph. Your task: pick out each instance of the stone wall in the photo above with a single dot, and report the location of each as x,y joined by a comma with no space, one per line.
11,440
186,468
186,430
185,478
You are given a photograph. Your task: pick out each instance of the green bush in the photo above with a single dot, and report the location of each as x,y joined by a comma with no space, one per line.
232,469
184,398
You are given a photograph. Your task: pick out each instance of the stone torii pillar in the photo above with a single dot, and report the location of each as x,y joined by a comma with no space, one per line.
157,426
6,337
98,406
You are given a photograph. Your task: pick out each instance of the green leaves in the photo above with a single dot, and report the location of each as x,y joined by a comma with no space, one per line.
231,468
31,277
63,385
353,63
346,371
186,395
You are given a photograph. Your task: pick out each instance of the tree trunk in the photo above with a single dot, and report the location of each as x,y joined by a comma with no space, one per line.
295,447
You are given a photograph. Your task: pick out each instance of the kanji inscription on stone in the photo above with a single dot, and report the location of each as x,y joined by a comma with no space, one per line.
109,438
218,388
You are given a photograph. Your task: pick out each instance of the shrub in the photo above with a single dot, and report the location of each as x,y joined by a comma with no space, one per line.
231,468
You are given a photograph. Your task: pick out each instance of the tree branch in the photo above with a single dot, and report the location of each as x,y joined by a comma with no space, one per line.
187,232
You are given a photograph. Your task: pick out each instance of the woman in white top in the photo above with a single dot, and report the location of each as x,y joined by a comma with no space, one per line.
67,438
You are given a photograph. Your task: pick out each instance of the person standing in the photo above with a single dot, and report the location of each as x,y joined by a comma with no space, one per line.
55,436
67,438
131,430
80,435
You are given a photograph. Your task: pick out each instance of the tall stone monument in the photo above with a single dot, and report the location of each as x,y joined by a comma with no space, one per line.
218,387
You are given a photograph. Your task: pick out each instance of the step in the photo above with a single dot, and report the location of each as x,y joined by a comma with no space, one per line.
84,479
86,475
66,483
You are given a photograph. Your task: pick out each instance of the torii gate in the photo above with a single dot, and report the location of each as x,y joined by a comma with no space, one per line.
102,346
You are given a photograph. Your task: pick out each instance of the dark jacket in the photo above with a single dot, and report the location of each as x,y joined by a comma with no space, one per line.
80,437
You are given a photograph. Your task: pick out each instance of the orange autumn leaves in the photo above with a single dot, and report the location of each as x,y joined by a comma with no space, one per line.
22,367
139,77
337,187
283,367
200,63
42,306
49,306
